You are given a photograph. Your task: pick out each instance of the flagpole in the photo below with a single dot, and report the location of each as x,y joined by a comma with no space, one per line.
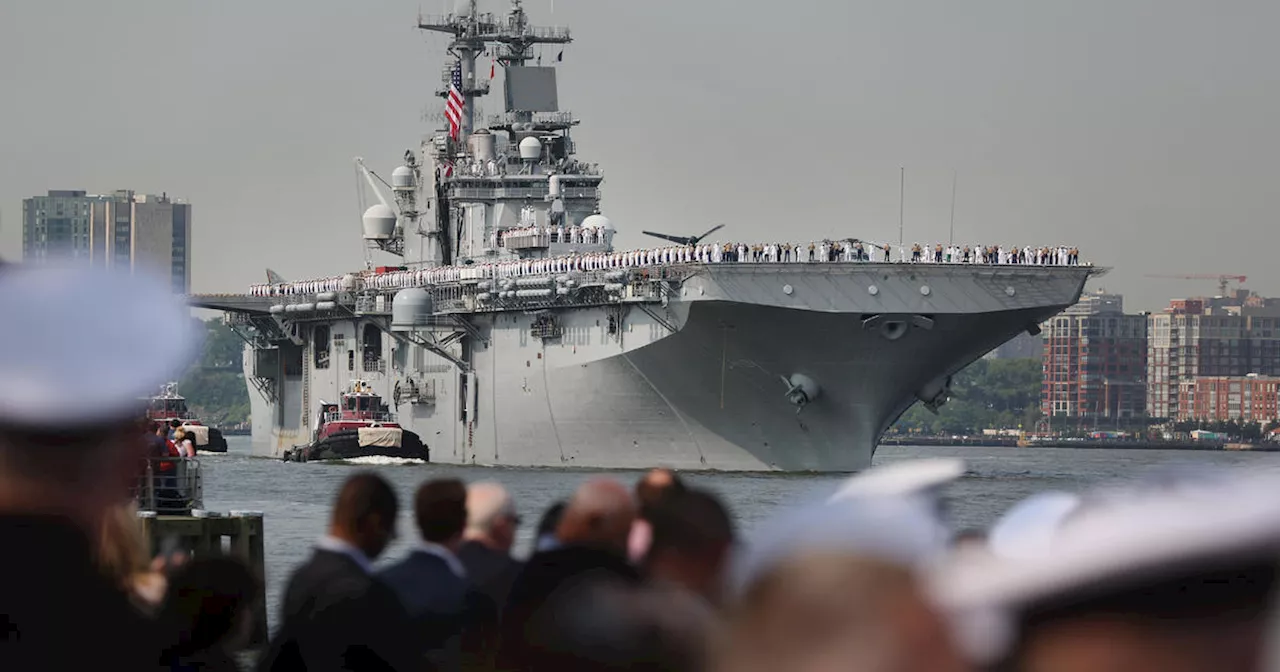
951,234
902,190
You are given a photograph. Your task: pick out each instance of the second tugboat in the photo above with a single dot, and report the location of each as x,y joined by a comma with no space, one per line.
169,406
360,425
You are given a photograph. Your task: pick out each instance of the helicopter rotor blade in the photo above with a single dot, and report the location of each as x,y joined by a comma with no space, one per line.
713,229
680,240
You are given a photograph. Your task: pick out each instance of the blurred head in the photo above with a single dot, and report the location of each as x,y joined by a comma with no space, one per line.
78,464
209,604
1211,620
833,611
440,508
1171,575
179,435
692,538
79,474
603,625
364,513
655,484
598,516
175,423
491,516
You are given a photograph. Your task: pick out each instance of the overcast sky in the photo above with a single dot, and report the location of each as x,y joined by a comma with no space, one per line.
1143,131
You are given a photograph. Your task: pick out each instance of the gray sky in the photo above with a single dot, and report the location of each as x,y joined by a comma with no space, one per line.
1143,131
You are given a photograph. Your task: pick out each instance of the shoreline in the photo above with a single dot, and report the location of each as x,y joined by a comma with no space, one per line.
1123,444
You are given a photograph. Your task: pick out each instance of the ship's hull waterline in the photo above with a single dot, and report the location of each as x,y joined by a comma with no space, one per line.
697,383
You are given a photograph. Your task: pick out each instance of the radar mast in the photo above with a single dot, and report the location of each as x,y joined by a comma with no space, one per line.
472,32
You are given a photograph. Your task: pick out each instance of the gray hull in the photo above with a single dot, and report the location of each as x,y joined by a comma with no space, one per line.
697,383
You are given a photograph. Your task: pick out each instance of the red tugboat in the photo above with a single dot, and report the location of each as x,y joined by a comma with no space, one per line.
169,406
359,426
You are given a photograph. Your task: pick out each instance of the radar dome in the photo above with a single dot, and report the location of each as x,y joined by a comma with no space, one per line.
379,222
530,149
597,222
402,178
411,308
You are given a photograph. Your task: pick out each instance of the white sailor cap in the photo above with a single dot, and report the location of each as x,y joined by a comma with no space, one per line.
908,477
83,346
901,530
1028,527
1109,543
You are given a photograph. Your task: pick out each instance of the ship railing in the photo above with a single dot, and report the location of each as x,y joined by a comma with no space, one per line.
375,416
172,486
557,117
526,242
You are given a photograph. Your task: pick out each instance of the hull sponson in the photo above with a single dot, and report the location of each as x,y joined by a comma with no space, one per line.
696,384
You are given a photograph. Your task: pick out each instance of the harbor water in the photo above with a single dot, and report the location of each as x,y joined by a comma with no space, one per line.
296,498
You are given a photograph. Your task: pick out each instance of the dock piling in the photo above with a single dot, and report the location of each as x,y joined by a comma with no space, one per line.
202,533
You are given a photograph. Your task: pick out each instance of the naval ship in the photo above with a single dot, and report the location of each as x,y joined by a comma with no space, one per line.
498,323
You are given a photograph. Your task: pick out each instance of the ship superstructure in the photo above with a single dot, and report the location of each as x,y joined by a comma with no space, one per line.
504,328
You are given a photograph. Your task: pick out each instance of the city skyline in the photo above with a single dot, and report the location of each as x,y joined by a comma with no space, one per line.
1140,133
121,229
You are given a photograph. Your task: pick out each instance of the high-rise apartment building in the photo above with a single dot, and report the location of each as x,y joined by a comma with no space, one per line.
1095,361
119,230
1221,337
55,226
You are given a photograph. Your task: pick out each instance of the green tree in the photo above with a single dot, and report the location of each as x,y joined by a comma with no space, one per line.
990,393
214,385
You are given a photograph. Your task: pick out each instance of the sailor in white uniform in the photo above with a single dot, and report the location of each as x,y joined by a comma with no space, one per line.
1177,578
78,350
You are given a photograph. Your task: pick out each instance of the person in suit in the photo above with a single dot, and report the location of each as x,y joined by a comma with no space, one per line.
486,547
692,540
592,536
650,490
336,614
432,583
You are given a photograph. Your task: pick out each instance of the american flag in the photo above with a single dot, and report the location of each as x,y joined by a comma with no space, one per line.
453,105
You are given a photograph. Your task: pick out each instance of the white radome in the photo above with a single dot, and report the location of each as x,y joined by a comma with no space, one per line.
597,222
530,149
402,178
379,222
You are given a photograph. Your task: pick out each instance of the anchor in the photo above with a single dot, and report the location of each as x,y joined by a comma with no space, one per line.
801,390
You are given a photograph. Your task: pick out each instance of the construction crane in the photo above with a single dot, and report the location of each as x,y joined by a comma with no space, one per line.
1222,279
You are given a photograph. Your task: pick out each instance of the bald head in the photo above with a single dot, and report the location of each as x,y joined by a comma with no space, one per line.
599,516
655,484
491,515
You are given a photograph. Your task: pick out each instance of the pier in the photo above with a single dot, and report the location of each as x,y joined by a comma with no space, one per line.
171,513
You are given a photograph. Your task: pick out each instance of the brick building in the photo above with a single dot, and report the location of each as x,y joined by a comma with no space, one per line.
1241,398
1220,337
1095,361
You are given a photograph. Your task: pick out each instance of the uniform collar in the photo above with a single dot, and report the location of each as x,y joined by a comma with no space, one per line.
336,545
431,548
